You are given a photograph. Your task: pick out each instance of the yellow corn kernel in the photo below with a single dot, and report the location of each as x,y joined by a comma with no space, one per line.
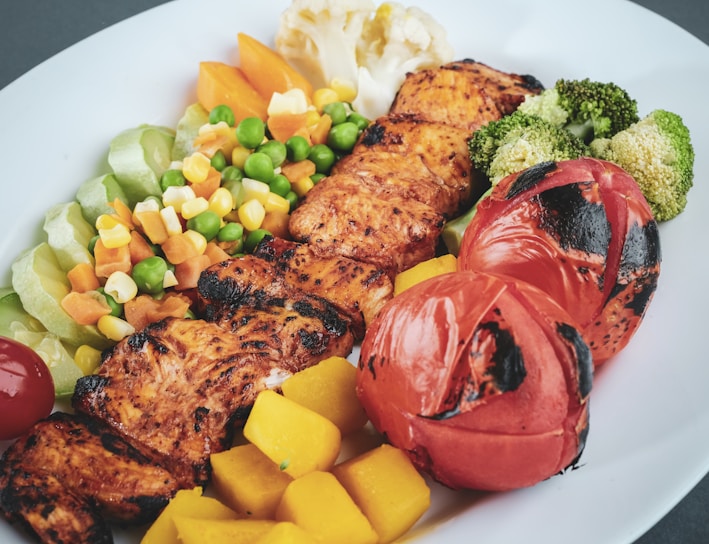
323,97
197,239
195,167
173,225
312,117
192,208
251,214
276,203
293,101
121,287
114,328
221,202
239,155
87,358
108,221
345,89
177,196
117,236
255,189
302,185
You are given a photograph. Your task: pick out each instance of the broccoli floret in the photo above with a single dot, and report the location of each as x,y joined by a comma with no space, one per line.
589,109
657,151
518,141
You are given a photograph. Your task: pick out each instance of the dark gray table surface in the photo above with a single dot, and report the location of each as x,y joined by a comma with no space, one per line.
33,31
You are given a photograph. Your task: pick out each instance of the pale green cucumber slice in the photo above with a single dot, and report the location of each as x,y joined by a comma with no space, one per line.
138,158
12,312
187,130
41,284
69,234
95,194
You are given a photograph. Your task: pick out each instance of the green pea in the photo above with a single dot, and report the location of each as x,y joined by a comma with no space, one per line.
323,157
206,223
92,243
222,113
297,148
343,137
336,111
259,166
274,149
149,273
292,198
218,160
172,178
236,188
231,232
280,185
317,177
254,238
231,173
116,308
250,132
358,119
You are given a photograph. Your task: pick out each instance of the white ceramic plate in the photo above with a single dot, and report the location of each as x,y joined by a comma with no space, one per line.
649,439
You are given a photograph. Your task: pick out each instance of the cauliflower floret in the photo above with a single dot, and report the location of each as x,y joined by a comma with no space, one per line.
351,41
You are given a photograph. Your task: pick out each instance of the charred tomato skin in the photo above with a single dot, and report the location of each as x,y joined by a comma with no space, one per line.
484,381
581,231
26,388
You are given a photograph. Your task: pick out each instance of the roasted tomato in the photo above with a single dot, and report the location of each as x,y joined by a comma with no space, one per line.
26,388
581,231
483,380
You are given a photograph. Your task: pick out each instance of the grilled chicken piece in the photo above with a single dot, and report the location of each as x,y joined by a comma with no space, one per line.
358,290
69,473
442,148
342,216
446,96
408,177
507,90
177,389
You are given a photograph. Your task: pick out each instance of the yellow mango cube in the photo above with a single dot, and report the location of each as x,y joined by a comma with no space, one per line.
387,487
186,502
247,481
286,532
244,531
424,270
320,505
328,388
294,437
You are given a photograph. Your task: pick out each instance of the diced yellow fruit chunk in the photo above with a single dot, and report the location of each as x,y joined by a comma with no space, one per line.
328,388
424,270
387,488
285,532
296,438
186,502
193,530
248,481
318,503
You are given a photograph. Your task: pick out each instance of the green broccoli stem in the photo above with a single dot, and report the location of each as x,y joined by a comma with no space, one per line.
454,229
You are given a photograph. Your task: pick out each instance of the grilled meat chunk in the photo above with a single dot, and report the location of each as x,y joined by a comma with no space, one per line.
466,105
177,389
342,216
442,148
358,290
69,473
507,90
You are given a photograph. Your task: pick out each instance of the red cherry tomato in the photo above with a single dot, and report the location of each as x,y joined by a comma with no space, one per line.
26,388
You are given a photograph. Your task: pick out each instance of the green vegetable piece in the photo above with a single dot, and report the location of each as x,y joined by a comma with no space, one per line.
149,274
206,223
274,149
13,313
343,137
188,126
41,285
231,173
222,113
69,234
323,157
250,132
218,161
316,177
297,148
292,198
172,178
116,307
259,166
236,188
358,119
95,194
254,238
139,157
280,185
231,232
337,112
